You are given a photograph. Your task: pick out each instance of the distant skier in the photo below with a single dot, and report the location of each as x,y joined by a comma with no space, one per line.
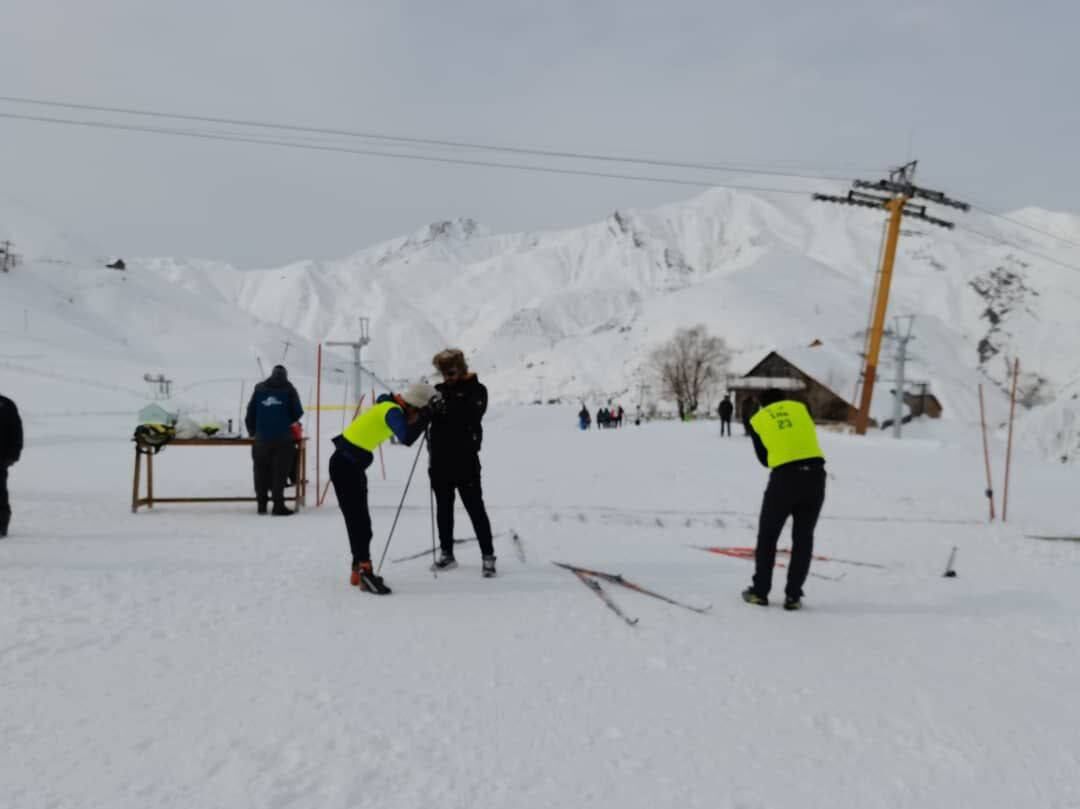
785,440
454,447
11,444
584,419
617,416
403,417
603,418
273,409
725,410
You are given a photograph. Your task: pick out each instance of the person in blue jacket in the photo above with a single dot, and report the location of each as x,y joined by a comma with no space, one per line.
273,409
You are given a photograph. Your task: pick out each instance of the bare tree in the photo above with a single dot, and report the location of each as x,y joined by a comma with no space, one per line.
689,365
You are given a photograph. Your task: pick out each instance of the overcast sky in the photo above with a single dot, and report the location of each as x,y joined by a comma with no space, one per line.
985,93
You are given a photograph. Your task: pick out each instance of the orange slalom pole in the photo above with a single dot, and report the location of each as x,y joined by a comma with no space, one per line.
1008,450
986,455
318,424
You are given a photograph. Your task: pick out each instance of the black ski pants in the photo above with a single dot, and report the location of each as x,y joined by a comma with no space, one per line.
795,490
472,497
349,476
272,462
5,504
725,424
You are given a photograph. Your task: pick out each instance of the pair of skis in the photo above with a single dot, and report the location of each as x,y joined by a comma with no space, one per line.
519,548
748,553
592,578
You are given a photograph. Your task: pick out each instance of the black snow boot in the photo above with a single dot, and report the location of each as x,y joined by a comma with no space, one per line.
445,561
489,567
751,597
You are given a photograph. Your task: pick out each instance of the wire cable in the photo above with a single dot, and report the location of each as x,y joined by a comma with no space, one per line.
252,139
535,152
1032,228
1006,243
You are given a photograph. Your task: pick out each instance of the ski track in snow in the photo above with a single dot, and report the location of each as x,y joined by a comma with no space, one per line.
201,656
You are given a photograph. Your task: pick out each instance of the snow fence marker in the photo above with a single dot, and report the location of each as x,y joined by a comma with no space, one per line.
950,572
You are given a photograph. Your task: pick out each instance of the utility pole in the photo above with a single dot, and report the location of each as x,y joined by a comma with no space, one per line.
902,189
357,347
902,340
8,258
160,387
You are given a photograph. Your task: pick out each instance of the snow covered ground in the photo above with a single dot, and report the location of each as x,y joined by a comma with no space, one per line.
201,656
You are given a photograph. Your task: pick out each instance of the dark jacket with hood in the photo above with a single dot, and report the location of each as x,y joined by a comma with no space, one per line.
273,407
456,432
11,432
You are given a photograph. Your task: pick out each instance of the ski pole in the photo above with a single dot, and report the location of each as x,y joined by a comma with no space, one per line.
397,514
431,503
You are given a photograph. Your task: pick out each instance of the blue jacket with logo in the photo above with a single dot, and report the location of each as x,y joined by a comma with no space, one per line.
273,408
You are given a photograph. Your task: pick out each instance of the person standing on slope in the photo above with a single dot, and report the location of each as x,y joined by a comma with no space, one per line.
11,444
725,410
785,440
454,447
403,417
273,409
584,419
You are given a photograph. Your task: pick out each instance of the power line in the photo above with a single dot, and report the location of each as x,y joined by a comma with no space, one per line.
1021,248
1026,225
394,155
459,144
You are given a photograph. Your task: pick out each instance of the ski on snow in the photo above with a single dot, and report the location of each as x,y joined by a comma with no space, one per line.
594,585
427,551
616,578
748,553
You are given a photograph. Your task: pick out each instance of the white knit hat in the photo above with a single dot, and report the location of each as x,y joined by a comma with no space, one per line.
419,394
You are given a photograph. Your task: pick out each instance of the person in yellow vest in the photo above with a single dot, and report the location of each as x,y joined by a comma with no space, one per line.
785,440
403,416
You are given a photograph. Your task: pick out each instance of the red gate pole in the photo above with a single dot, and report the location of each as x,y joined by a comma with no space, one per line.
318,425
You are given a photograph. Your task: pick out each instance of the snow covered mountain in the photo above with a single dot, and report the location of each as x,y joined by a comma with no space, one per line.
575,313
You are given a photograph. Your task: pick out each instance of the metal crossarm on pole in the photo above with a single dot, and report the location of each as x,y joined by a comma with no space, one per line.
901,188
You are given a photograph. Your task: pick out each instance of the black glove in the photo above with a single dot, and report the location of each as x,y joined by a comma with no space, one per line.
438,405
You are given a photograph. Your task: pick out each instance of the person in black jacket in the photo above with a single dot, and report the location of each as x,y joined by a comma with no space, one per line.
11,444
454,446
725,410
273,409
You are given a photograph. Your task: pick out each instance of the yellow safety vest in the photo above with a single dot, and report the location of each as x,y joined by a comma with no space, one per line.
787,431
370,429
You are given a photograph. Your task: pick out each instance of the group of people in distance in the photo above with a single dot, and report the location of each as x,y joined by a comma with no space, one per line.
610,416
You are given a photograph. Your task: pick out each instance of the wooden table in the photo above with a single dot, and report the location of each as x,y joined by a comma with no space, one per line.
299,498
